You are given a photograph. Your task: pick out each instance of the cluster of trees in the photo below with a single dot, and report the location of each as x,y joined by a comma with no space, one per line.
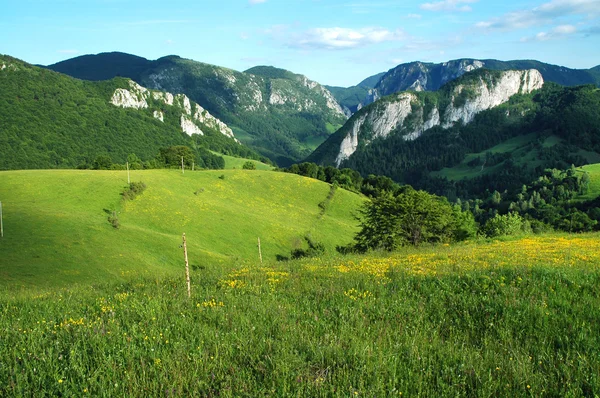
400,215
166,158
410,217
346,178
546,203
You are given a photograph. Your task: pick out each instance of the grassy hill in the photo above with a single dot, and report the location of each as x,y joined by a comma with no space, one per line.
57,231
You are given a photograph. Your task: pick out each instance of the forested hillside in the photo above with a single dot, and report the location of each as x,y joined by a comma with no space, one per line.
50,120
281,114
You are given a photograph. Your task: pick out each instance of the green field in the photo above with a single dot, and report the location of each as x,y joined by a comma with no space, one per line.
516,318
516,145
56,229
594,172
232,162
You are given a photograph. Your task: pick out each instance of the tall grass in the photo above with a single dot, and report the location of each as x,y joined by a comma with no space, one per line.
462,320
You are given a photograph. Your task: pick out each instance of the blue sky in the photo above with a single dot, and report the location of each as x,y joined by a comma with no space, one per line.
336,42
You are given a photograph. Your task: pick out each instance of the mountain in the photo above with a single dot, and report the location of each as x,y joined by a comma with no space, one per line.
350,98
465,130
50,120
422,76
281,114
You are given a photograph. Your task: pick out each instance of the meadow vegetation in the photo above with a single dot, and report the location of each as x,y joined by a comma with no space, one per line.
495,318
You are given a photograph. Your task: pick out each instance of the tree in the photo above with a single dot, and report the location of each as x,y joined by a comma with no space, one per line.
408,218
102,162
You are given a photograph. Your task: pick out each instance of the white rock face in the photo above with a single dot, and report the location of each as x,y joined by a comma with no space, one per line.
277,98
3,66
350,143
137,96
489,96
159,115
189,127
204,117
133,98
391,115
331,101
382,121
167,98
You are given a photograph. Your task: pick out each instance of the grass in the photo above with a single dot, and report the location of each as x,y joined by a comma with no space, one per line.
57,231
232,162
516,145
594,189
499,318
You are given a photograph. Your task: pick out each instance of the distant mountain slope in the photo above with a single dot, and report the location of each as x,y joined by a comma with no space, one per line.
50,120
409,135
281,114
350,98
422,76
104,66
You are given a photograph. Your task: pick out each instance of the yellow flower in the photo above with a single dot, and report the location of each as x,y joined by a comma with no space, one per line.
60,381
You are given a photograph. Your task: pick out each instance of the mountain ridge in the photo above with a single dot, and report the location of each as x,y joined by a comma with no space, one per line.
283,118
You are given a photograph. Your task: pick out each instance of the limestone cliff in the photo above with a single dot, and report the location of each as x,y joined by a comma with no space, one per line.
191,114
410,114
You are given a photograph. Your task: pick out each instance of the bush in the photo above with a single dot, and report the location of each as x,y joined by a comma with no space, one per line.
135,189
314,249
114,220
249,165
409,218
511,224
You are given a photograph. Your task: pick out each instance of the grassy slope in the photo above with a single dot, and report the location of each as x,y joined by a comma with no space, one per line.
463,170
232,162
594,171
514,318
56,231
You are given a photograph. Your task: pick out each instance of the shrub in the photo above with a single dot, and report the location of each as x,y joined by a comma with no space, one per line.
511,224
249,165
114,220
135,189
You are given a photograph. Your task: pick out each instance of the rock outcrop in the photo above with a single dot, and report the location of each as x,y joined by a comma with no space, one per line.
405,113
137,97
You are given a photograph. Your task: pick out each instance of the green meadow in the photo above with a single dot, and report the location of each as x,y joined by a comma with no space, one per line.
57,231
90,310
517,318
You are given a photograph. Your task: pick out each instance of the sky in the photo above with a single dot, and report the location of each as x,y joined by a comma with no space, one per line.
335,42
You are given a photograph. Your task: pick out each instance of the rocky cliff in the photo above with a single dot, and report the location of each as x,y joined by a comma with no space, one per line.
137,97
410,114
423,76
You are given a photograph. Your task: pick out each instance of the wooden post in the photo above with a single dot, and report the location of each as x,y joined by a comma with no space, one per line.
187,268
128,179
193,164
259,252
182,171
1,222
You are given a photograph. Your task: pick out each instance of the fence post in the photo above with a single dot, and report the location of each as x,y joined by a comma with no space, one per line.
187,268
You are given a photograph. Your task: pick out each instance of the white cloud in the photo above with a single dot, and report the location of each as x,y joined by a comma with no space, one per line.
448,5
343,38
547,13
253,2
413,16
556,33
